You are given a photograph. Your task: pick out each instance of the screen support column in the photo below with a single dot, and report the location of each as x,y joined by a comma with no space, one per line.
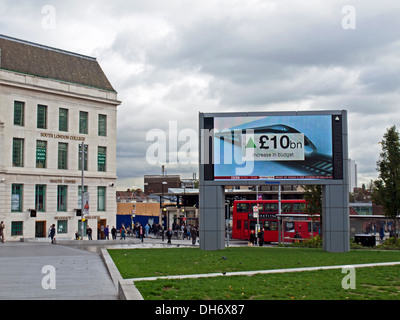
335,218
212,217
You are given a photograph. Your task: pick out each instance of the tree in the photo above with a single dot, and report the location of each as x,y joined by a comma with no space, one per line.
386,190
313,196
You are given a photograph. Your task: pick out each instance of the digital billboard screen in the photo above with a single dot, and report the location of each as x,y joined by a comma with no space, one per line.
275,147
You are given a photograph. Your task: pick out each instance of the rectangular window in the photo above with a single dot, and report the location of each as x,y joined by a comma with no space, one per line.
80,195
41,116
41,148
62,155
242,207
85,157
101,159
61,198
63,119
101,198
16,228
18,152
102,125
83,122
19,109
62,226
16,197
40,198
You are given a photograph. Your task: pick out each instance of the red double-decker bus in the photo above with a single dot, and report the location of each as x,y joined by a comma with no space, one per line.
296,225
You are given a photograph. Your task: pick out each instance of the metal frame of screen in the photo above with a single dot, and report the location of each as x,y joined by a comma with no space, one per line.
339,152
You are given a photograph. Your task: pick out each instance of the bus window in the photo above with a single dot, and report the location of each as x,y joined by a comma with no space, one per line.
246,224
289,226
270,225
252,225
299,207
239,224
242,207
271,207
286,207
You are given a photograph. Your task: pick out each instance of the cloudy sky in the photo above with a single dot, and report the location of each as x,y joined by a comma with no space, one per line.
171,59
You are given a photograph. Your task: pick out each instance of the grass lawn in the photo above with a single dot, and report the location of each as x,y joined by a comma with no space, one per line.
377,283
137,263
371,283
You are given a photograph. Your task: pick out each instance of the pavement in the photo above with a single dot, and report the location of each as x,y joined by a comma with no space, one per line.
79,270
27,271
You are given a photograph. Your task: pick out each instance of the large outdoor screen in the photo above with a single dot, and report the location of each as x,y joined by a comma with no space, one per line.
275,147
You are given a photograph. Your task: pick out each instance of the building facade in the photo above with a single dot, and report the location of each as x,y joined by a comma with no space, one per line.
53,103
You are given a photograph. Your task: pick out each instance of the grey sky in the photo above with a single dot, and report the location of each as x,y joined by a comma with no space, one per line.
170,59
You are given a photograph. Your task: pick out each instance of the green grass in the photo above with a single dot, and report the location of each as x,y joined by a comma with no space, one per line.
136,263
371,283
377,283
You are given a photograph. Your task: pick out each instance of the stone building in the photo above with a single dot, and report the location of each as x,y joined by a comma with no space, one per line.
52,101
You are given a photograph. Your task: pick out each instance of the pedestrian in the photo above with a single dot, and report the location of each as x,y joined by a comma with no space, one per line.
141,233
89,233
253,238
382,233
147,228
261,237
76,235
169,235
2,227
53,233
107,232
114,233
123,233
193,233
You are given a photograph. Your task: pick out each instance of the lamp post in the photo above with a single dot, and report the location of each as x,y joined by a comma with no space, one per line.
162,200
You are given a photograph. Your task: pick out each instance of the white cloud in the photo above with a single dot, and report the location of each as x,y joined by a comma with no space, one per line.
170,59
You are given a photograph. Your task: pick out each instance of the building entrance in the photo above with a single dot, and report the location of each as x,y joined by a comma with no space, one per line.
40,229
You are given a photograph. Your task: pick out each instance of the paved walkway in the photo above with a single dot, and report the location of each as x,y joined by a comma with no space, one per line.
79,274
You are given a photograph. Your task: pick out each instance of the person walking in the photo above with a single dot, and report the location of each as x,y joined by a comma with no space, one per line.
107,232
261,237
53,233
147,228
253,238
114,233
123,233
141,233
89,233
2,227
193,232
169,235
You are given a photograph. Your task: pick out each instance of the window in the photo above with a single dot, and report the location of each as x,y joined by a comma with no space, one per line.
83,122
101,159
80,195
19,113
85,164
286,207
16,228
62,155
18,152
101,198
62,226
41,147
41,117
239,224
16,197
299,207
102,125
62,198
270,225
242,207
271,207
63,119
40,197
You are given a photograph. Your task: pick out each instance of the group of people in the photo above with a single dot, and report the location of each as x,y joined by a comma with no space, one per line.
260,236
